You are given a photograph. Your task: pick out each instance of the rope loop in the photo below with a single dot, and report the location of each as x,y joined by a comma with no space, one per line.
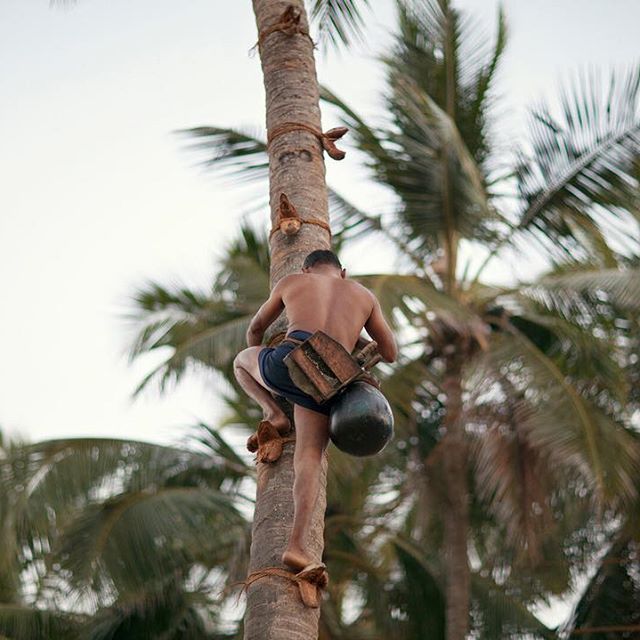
317,221
327,139
310,581
288,23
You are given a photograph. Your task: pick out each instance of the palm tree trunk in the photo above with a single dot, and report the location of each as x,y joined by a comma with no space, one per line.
456,516
296,168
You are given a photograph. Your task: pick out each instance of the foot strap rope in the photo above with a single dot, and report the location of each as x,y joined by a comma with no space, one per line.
267,442
310,582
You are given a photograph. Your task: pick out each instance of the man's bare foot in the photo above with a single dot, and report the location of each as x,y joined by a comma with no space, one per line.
296,559
279,421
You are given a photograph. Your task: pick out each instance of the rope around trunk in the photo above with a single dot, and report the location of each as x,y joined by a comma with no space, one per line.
288,23
327,139
316,221
310,582
267,442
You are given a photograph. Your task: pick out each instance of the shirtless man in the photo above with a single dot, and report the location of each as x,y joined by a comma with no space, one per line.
319,298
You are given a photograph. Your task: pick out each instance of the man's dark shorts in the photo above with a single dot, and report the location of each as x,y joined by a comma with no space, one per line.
276,375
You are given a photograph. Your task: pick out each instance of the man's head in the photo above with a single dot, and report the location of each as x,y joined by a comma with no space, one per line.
323,260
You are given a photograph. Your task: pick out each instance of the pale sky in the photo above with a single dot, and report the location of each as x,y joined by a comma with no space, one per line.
98,194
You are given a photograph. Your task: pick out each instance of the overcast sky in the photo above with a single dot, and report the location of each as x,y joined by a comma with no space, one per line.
98,194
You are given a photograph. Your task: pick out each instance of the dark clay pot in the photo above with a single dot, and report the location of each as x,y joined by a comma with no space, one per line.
361,422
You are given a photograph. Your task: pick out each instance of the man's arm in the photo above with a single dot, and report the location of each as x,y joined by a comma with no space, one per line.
377,327
265,315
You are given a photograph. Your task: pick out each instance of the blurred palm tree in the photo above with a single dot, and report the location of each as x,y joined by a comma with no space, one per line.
108,539
524,383
372,559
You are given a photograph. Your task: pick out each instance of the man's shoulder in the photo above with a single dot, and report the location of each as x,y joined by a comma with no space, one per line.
360,288
288,280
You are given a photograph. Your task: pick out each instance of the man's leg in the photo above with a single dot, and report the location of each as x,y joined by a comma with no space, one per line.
247,372
312,437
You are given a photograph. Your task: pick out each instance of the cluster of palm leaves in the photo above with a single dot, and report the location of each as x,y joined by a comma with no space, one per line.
113,537
107,539
546,387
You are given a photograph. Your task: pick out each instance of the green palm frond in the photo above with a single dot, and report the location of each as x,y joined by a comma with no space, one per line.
198,329
214,347
501,614
448,55
243,277
415,159
581,317
241,155
64,474
474,126
168,314
29,623
48,483
585,353
348,221
339,21
433,172
513,479
555,417
219,450
582,167
403,388
411,297
136,539
419,596
98,519
611,599
169,612
366,138
619,288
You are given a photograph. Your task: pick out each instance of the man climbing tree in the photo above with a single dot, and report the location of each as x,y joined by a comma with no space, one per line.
298,192
318,299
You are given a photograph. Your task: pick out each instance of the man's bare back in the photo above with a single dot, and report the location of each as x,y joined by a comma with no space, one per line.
326,301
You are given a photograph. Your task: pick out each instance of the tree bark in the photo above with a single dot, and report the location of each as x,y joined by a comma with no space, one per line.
456,516
296,168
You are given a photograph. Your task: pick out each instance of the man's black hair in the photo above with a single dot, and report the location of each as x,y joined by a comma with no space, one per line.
321,256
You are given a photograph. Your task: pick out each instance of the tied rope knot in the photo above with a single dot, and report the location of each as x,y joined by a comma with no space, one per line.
311,581
289,221
267,442
288,23
327,139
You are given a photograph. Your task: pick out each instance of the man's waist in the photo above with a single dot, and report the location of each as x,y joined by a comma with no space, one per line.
297,336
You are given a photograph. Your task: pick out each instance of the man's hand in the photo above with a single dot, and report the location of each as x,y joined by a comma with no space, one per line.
377,327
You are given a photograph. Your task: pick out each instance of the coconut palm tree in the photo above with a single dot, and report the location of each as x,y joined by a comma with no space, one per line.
570,192
396,563
297,171
610,601
366,555
119,539
296,176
